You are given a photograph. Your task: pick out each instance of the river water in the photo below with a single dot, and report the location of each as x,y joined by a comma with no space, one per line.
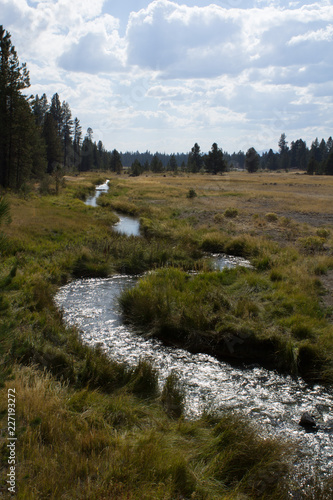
273,401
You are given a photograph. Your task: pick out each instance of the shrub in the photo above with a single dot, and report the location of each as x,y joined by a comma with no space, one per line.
218,218
231,213
45,185
191,193
271,217
214,242
323,233
240,247
312,244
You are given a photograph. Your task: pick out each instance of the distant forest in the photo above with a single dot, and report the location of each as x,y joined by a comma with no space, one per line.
39,138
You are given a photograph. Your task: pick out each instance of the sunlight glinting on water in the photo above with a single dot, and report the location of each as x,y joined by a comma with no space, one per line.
273,401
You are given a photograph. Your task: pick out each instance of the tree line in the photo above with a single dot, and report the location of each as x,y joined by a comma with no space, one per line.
39,137
318,159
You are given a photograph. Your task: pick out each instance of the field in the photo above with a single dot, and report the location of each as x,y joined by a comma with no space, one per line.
88,427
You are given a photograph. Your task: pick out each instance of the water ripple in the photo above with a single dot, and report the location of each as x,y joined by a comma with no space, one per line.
273,401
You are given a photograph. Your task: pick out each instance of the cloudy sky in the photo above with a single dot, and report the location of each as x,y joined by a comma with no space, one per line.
162,75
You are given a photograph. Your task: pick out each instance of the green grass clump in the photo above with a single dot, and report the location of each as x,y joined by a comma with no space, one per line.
173,396
239,314
231,213
271,217
312,244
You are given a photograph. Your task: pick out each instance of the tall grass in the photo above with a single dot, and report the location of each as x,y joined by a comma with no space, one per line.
105,429
113,446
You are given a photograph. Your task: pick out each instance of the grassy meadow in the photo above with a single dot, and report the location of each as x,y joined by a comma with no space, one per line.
91,428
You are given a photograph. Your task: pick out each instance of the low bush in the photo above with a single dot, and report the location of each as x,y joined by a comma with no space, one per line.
323,233
271,217
312,244
191,193
231,213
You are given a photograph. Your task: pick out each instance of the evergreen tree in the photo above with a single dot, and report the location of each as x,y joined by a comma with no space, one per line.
13,79
328,168
77,143
315,151
252,160
156,165
195,160
66,130
40,107
312,166
298,154
87,153
237,160
56,112
136,168
271,160
214,161
283,150
115,162
173,166
53,143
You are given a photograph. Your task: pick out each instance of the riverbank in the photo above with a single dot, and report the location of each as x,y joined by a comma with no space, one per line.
84,416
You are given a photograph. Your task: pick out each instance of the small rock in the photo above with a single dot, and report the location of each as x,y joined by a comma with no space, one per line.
307,421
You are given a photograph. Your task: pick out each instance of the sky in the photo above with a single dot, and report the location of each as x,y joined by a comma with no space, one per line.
161,75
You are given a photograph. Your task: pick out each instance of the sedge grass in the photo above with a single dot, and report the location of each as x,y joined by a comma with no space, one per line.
90,421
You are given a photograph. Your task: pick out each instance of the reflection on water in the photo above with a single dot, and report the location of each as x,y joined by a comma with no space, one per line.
127,225
221,261
273,401
102,188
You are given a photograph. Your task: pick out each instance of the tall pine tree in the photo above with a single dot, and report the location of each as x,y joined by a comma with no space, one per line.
13,79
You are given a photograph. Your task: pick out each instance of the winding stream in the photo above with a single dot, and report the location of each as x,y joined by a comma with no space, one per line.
273,401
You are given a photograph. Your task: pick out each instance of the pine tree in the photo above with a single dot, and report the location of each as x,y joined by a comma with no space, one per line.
251,160
312,166
87,153
40,107
283,149
214,161
328,168
53,144
195,160
56,112
156,165
13,79
66,130
115,162
173,164
77,143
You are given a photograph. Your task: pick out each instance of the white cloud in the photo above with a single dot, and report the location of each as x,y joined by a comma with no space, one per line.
193,42
91,55
238,72
321,35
